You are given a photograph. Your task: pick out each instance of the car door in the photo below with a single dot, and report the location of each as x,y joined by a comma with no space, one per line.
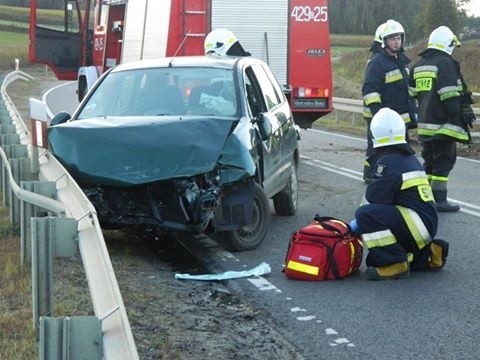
275,173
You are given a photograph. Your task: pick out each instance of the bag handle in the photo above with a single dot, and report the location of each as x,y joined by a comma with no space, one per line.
322,220
333,263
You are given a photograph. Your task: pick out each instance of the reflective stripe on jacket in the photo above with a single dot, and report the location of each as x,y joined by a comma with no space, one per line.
436,80
386,85
400,180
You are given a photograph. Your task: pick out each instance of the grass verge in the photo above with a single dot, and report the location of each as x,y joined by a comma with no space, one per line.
18,340
17,336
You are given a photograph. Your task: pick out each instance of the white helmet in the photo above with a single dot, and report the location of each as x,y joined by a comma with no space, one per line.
442,38
378,33
388,128
392,28
219,41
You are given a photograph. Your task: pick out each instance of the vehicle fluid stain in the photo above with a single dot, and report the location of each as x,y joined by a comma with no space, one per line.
157,249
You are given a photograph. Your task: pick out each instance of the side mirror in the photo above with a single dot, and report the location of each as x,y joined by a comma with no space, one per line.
264,126
60,118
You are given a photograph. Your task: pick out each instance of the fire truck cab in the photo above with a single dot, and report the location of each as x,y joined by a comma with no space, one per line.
291,36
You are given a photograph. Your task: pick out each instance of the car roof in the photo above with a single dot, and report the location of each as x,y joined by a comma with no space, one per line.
226,62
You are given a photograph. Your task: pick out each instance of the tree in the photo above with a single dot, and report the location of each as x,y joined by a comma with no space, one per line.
418,18
443,12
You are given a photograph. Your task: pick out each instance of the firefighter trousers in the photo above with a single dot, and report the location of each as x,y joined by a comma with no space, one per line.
439,157
387,237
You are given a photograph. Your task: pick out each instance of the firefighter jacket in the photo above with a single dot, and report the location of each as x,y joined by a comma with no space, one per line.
438,83
386,85
399,180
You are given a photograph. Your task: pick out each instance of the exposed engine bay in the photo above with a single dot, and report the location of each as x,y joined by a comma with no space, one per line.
190,204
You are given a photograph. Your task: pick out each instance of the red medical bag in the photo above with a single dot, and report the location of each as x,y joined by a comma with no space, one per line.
325,249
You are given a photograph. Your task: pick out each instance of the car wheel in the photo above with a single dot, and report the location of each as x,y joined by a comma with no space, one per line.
286,201
249,236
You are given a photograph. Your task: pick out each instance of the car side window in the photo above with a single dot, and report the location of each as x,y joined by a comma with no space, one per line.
276,85
270,96
254,94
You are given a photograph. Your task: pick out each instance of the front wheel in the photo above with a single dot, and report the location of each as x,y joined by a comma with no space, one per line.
251,235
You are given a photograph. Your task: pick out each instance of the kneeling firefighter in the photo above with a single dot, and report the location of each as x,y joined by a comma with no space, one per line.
398,219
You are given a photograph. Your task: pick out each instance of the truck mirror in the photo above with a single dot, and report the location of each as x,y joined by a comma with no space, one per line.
60,118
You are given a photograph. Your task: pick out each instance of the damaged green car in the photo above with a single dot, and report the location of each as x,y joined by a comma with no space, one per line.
186,144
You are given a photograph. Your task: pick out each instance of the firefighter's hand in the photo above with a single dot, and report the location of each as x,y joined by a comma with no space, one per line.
468,117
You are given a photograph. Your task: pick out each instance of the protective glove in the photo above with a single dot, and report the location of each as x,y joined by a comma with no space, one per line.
354,226
466,98
468,117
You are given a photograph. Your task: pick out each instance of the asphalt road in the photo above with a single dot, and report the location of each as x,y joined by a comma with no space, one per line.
427,316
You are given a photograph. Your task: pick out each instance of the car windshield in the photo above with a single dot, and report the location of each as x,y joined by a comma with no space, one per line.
164,91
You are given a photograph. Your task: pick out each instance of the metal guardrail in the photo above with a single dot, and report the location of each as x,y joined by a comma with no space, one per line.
117,338
25,195
356,107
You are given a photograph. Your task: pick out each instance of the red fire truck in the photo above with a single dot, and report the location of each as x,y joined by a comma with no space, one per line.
291,36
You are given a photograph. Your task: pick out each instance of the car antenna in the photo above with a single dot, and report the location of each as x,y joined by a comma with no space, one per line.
179,47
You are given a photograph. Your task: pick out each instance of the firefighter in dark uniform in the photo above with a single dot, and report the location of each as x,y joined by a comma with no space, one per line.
377,42
398,219
445,111
386,85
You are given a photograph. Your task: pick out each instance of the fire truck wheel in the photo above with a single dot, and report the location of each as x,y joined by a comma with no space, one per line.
286,201
249,236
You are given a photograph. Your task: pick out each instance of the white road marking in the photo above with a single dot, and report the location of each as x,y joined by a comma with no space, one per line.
356,175
306,318
297,309
263,284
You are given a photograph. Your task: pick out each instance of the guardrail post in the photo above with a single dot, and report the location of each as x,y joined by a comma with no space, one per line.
7,128
7,139
50,235
20,171
5,183
29,210
354,119
70,338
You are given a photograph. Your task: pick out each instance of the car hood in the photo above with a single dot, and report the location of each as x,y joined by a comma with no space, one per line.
130,151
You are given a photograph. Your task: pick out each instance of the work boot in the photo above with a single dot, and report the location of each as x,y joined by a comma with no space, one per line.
388,272
441,202
438,254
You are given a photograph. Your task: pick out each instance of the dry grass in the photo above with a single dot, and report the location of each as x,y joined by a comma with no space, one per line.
71,297
70,290
17,337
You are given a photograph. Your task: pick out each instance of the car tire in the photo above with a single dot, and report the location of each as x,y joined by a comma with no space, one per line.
250,236
285,202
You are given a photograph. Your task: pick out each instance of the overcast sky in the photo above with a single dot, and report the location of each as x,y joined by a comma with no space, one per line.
473,8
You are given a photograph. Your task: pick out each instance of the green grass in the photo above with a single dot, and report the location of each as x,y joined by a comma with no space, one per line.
17,338
16,24
14,45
